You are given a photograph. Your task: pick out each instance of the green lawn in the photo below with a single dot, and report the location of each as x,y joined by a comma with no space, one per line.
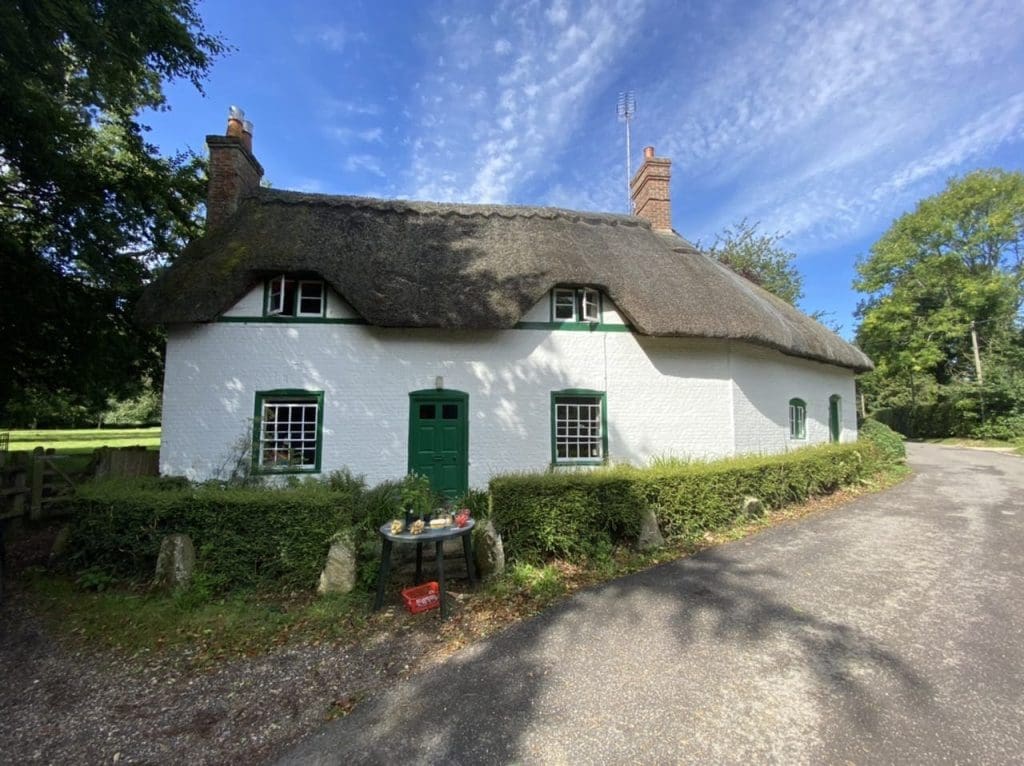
84,440
956,441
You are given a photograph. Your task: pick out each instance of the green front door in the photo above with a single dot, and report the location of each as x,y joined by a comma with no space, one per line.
833,417
439,439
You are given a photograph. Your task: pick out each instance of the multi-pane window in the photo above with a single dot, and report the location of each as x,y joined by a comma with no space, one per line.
288,430
797,419
576,304
578,427
287,296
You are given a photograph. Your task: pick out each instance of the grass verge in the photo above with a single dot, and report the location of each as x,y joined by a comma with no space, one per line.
81,440
1017,445
140,622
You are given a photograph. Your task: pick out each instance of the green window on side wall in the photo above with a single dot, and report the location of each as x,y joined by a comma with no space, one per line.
797,419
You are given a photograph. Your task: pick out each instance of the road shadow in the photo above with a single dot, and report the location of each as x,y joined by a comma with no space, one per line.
484,704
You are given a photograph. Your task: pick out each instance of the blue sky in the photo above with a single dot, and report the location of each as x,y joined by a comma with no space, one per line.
822,120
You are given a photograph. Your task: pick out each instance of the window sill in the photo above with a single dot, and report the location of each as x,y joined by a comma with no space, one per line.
573,463
283,471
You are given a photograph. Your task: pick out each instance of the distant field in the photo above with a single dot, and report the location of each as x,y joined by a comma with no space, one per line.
83,440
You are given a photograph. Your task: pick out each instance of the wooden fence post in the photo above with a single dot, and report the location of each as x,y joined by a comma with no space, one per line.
38,469
18,501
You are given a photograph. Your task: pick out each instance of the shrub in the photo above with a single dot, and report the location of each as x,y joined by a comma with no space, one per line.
243,536
579,514
887,442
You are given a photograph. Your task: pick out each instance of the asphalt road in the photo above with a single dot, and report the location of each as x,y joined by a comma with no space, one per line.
890,630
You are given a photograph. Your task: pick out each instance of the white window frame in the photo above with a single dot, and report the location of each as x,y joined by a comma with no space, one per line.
563,293
300,289
590,305
276,296
569,422
298,439
277,293
585,304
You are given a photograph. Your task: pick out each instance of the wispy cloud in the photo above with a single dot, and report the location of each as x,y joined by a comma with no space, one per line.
364,163
349,135
333,37
817,117
491,117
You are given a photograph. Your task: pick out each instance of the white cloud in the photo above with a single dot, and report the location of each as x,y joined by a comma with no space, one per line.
508,118
558,12
364,163
347,135
333,37
823,118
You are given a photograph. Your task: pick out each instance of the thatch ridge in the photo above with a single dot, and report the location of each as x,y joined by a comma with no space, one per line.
426,264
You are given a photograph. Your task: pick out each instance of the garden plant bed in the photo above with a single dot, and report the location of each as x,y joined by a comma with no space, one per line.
72,696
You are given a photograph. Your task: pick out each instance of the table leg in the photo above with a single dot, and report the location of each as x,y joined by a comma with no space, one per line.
419,564
382,575
440,578
467,550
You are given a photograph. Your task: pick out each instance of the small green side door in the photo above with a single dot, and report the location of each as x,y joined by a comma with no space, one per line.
833,417
439,439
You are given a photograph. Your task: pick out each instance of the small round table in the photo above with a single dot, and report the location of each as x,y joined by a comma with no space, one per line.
428,535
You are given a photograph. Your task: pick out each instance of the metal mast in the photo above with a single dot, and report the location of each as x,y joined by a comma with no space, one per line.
625,109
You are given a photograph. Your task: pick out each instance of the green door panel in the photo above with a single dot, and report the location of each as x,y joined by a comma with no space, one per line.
834,418
439,439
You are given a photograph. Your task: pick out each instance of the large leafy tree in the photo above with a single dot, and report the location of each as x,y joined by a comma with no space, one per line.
87,205
957,259
759,257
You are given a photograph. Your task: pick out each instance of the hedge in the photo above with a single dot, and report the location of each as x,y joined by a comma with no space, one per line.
888,443
244,537
577,513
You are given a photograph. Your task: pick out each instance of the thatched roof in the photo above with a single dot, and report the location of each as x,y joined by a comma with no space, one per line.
414,264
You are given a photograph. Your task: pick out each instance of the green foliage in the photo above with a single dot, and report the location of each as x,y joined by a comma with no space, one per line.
141,409
760,258
888,443
957,259
87,206
478,503
580,514
243,536
565,514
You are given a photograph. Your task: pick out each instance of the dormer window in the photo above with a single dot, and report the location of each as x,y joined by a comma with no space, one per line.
576,304
288,296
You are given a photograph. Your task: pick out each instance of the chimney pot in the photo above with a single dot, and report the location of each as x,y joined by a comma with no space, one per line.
247,135
648,152
236,118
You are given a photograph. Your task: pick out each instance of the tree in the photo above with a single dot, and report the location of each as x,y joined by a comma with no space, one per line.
87,206
760,258
957,259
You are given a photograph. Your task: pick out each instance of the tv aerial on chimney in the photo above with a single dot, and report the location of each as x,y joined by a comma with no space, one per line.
625,109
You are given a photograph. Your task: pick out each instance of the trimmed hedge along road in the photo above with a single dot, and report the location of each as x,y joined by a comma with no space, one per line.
258,537
578,513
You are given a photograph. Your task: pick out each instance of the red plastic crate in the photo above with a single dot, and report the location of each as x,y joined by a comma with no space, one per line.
422,597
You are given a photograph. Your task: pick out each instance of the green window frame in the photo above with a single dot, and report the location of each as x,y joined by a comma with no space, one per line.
579,427
295,295
797,419
287,434
577,304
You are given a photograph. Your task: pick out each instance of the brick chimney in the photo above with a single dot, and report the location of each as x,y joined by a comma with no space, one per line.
234,172
649,191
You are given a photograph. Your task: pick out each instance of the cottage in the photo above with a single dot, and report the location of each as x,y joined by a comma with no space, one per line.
462,341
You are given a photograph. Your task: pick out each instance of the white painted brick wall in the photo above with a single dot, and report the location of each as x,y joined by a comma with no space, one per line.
764,382
665,395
